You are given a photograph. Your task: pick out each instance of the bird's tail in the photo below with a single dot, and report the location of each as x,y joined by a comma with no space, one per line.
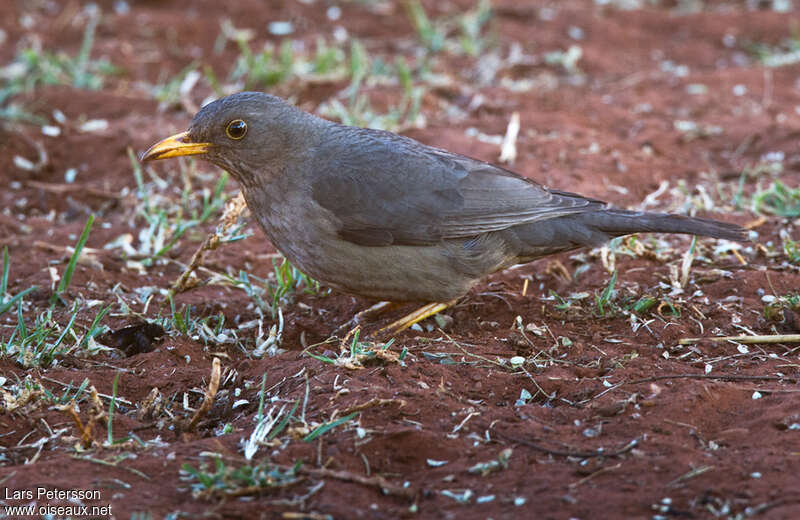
593,228
618,222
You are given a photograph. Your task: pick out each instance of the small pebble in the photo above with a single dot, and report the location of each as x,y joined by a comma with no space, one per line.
51,130
334,13
280,28
94,125
23,163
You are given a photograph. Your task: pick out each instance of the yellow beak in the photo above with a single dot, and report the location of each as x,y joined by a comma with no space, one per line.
176,146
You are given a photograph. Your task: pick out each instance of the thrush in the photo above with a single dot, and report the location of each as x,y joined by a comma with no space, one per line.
383,216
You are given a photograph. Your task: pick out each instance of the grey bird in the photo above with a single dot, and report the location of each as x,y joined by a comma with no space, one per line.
383,216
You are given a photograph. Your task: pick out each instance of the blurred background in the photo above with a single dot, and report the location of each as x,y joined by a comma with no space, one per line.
689,106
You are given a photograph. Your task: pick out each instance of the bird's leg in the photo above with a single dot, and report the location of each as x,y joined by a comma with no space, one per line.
415,317
370,312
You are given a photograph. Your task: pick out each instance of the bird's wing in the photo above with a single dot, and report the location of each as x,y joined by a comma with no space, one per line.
386,189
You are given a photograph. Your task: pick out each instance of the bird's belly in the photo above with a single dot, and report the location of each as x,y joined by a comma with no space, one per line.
307,236
394,273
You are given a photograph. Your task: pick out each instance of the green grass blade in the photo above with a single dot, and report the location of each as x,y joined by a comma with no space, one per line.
260,414
48,356
6,305
23,331
111,409
93,329
67,276
81,78
324,359
17,298
4,279
324,428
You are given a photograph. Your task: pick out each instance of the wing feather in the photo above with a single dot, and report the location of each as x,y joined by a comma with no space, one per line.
386,189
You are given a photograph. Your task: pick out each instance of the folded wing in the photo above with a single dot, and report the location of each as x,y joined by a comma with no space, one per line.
385,189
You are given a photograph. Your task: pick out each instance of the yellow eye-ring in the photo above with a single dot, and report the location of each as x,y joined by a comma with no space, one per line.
236,129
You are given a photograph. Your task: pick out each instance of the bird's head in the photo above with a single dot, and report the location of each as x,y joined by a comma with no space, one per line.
244,133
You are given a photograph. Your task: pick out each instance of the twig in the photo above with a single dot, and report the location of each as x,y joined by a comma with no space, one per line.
377,481
232,211
462,423
757,510
372,403
71,188
691,474
102,462
539,389
210,243
711,376
775,338
596,396
246,491
291,515
470,354
67,250
566,453
104,396
96,413
8,477
210,394
598,472
769,390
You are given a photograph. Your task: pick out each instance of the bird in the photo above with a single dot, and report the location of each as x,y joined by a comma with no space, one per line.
380,215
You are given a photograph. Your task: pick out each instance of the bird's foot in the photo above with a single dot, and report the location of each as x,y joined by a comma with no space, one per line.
369,313
418,315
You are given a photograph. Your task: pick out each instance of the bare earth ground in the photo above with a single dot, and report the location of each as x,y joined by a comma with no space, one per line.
609,416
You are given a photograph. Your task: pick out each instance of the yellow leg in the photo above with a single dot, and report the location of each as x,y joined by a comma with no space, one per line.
415,317
370,312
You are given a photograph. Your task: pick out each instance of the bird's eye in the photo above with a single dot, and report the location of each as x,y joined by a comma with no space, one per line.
236,129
